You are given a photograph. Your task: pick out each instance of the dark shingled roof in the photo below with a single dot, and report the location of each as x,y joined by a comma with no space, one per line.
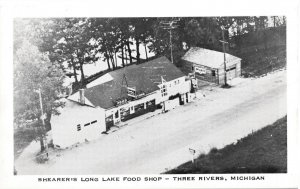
144,77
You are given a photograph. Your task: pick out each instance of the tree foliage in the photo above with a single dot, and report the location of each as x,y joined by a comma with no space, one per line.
33,71
78,41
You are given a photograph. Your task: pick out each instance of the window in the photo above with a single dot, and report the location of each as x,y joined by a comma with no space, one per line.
78,127
117,114
94,122
164,90
213,73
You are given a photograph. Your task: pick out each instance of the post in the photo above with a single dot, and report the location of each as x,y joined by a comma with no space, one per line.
43,126
169,26
41,105
171,46
192,152
223,44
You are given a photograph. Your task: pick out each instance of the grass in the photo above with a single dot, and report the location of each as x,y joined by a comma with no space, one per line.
260,62
264,151
22,138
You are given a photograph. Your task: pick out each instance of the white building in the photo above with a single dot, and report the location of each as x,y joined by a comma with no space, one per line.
118,96
77,123
208,65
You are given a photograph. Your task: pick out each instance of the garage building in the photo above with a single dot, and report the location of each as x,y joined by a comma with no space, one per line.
208,65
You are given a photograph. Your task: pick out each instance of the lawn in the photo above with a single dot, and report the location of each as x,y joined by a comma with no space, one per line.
264,151
22,138
260,62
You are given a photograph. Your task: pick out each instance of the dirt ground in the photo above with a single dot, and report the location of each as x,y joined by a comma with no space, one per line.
216,118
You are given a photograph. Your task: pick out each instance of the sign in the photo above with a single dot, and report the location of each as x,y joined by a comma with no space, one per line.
192,75
192,151
121,101
125,111
194,83
131,92
140,95
200,70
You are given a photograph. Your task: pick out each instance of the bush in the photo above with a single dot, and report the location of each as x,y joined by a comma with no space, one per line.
42,157
213,150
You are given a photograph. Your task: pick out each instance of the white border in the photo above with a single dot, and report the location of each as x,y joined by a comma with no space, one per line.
67,8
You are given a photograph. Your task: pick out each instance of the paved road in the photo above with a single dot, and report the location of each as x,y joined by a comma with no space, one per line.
162,142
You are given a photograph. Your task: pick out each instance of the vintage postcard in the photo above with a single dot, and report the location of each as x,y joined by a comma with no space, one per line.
174,100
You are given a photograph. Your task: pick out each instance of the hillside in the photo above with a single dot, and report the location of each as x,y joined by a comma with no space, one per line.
264,151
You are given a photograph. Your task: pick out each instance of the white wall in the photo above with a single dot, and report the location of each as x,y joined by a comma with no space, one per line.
236,63
171,104
76,97
64,126
173,89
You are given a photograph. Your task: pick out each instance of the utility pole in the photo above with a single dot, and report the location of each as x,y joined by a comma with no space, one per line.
170,25
41,105
223,44
43,122
171,45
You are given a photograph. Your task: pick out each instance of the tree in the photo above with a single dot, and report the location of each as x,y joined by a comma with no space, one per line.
74,43
242,25
65,40
225,22
201,31
260,22
187,32
106,35
125,29
160,42
34,71
274,19
141,30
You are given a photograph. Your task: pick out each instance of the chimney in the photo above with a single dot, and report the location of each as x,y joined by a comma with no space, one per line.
81,96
